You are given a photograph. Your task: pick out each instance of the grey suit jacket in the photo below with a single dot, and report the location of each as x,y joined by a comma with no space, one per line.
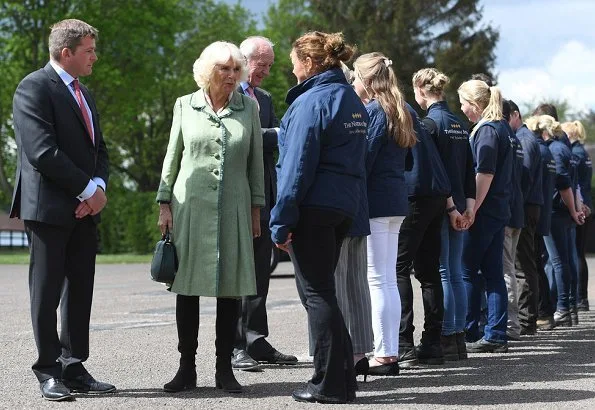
268,121
56,157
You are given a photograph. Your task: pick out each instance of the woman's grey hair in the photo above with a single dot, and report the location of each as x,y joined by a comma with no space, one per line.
215,53
251,44
68,34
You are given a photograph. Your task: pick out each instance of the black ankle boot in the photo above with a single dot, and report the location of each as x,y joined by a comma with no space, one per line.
449,347
225,328
185,378
461,346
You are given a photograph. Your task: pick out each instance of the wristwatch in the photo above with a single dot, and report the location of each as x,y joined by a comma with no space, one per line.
451,209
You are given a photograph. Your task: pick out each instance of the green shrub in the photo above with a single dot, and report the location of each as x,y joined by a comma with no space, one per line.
129,222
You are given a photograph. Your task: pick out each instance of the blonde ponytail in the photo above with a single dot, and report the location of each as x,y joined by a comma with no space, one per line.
493,111
378,77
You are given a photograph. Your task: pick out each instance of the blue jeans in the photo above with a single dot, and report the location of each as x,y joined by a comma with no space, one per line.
451,274
574,267
483,246
559,245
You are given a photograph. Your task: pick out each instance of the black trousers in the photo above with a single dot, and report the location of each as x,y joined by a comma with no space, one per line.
583,269
419,248
314,250
545,306
526,269
253,327
61,273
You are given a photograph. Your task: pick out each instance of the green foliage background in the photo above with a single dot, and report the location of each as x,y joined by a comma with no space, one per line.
147,48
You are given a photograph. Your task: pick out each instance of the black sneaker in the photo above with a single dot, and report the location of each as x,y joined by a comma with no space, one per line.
485,346
408,358
562,318
429,353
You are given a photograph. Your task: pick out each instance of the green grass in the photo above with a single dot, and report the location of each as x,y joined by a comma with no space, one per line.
21,257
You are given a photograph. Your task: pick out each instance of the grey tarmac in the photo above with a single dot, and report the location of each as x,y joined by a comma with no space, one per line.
133,345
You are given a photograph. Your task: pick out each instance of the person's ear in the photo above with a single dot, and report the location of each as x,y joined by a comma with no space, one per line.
65,53
308,64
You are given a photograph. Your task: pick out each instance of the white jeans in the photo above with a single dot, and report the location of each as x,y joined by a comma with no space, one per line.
382,279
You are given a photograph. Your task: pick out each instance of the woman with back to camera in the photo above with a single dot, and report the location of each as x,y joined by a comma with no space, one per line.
210,196
484,241
321,167
577,135
452,140
390,134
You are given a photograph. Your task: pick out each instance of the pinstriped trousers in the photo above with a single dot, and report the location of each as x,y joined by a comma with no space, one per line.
353,293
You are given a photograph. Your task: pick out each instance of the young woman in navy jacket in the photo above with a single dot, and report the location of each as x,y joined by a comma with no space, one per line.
452,139
390,134
484,241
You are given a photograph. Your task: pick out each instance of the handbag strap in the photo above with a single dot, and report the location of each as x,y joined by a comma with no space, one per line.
166,237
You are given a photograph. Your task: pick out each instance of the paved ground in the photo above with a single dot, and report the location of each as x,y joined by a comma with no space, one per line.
133,345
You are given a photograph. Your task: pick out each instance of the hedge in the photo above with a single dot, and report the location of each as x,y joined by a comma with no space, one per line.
129,222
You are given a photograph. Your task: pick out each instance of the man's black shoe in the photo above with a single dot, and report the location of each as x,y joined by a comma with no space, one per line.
241,360
429,353
54,390
85,383
276,357
305,396
408,358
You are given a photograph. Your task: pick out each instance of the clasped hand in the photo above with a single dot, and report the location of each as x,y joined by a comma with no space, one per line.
460,222
92,205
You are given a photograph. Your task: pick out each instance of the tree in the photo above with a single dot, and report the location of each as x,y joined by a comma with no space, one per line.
285,21
447,34
146,50
23,48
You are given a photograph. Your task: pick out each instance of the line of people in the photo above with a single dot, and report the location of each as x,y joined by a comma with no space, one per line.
365,193
425,196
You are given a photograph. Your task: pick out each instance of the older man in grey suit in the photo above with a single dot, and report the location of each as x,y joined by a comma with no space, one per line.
251,344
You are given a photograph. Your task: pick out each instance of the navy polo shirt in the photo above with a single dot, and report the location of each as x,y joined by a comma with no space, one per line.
548,167
493,154
532,182
584,172
564,172
517,200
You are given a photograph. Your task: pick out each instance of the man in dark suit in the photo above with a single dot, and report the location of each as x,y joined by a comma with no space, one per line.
62,172
251,344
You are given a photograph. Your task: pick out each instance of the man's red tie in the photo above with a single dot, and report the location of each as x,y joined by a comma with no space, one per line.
79,99
251,94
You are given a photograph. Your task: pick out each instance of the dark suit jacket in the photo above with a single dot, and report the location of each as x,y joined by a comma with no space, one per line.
268,121
56,157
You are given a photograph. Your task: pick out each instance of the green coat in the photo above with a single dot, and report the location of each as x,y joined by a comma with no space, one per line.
213,175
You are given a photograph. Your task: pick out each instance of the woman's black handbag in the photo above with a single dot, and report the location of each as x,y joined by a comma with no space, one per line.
165,260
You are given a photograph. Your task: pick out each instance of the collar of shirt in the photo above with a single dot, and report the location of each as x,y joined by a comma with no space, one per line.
208,100
245,86
67,78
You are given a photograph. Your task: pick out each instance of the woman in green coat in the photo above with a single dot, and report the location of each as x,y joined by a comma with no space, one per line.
210,196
